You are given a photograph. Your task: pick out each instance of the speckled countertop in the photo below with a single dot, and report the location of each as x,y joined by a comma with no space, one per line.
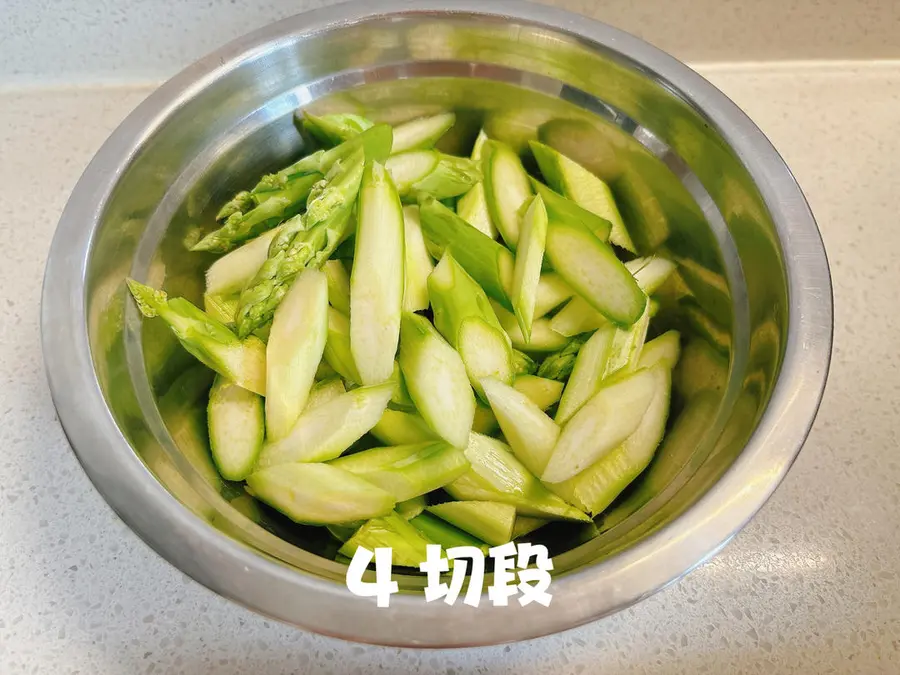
811,586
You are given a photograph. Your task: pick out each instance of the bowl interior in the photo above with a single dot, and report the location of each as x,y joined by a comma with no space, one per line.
682,190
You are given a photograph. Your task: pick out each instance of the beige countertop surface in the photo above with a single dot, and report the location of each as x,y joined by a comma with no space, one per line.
810,586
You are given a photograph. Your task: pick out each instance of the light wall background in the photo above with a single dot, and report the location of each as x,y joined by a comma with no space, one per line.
92,41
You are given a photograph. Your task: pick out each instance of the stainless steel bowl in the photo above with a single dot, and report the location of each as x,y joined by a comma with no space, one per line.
695,177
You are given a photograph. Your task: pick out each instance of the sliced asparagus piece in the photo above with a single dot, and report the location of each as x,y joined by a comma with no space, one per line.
236,428
488,262
464,316
210,341
506,188
529,431
627,345
221,308
337,347
526,525
587,373
666,349
496,475
402,428
607,419
544,392
338,286
522,363
327,430
650,272
558,366
230,273
242,202
376,282
241,227
527,271
420,133
485,421
319,494
491,522
543,338
443,533
335,129
411,508
596,487
472,207
400,398
552,291
437,381
408,545
591,267
294,351
308,243
407,471
567,211
325,391
432,173
582,187
418,264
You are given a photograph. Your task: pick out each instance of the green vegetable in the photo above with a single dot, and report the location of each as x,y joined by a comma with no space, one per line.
325,391
236,428
420,133
337,352
491,522
666,349
558,366
526,525
335,129
464,316
552,291
411,508
437,381
587,373
407,544
522,363
376,281
527,271
445,534
210,341
417,263
433,173
565,210
544,392
230,273
402,428
338,286
506,188
543,338
319,494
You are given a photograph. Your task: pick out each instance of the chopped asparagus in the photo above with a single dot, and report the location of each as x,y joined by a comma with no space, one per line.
337,352
492,522
527,271
485,422
421,133
472,207
296,344
607,419
408,545
319,494
338,285
464,316
651,272
210,341
407,471
307,244
587,373
221,308
531,434
567,211
402,428
417,264
558,366
432,173
543,338
242,202
436,378
230,273
326,431
335,129
411,508
488,262
552,291
400,398
376,281
325,391
443,533
523,364
240,227
582,187
526,525
666,349
544,392
506,188
236,428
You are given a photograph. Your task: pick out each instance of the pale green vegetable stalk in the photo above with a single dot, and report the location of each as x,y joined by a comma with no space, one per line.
407,471
487,261
531,434
472,207
236,428
240,227
582,187
334,129
327,430
319,494
221,308
526,525
421,133
411,508
544,392
666,350
308,243
242,202
567,211
552,291
418,264
529,258
605,421
558,366
464,316
589,369
506,187
337,352
496,475
432,173
230,273
338,286
492,522
295,347
376,281
436,379
408,545
325,391
208,340
542,339
523,364
402,428
445,534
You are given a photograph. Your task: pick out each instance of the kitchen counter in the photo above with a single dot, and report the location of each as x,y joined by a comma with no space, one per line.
810,586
